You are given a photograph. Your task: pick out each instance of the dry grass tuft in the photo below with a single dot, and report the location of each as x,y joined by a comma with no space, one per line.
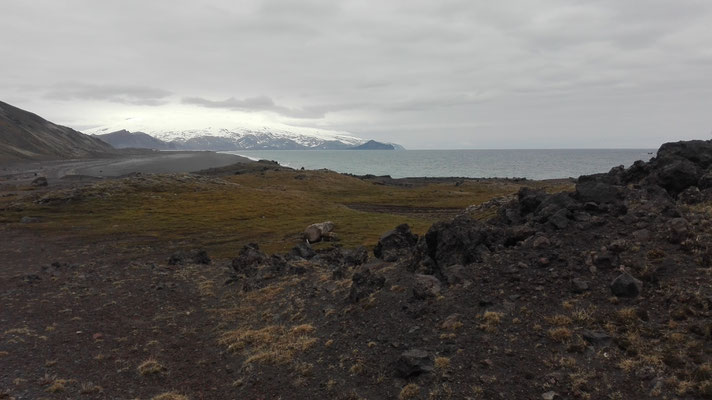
559,320
409,391
442,363
58,385
170,396
270,345
88,388
627,315
358,369
150,367
490,321
560,334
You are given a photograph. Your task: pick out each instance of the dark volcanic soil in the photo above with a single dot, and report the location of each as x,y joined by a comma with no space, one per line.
156,162
601,293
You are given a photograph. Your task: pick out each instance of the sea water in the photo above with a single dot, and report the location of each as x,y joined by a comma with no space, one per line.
531,164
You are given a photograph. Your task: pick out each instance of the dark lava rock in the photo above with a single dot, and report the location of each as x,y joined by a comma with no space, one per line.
560,219
363,284
696,151
189,257
303,250
597,192
412,363
426,286
705,181
454,274
39,181
356,256
597,338
394,244
641,235
540,242
691,195
679,230
626,285
530,199
579,285
461,241
678,175
605,259
31,278
249,258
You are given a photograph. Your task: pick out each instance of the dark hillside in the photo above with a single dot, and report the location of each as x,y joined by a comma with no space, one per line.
26,136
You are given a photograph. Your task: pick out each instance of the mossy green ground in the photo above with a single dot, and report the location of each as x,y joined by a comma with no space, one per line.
221,214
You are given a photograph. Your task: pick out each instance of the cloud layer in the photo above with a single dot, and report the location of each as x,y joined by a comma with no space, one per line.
447,74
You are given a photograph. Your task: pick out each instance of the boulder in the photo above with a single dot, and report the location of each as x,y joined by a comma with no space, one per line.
454,274
189,257
679,230
705,181
318,232
363,283
39,181
560,219
579,285
249,258
303,250
462,240
699,152
677,175
530,199
356,256
605,259
597,338
517,234
691,195
396,243
597,192
412,363
426,286
540,242
641,235
625,285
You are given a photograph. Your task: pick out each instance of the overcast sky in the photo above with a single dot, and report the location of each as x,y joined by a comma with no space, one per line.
425,74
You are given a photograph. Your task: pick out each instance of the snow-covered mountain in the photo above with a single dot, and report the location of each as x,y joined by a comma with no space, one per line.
232,135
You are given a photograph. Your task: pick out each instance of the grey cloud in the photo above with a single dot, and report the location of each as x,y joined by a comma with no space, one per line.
129,94
254,104
430,73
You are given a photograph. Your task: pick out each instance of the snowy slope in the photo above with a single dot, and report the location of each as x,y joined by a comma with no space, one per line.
226,134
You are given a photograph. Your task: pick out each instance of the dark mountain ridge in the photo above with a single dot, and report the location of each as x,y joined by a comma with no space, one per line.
27,136
124,139
374,145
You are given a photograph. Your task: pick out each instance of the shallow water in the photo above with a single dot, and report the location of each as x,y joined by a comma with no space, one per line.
531,164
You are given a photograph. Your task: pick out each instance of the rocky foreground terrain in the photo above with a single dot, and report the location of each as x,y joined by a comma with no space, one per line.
603,292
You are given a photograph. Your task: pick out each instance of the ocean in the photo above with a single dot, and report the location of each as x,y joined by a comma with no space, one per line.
531,164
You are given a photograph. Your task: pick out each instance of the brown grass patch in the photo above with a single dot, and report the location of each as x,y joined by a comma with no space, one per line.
409,391
560,334
442,363
490,321
150,367
170,396
273,344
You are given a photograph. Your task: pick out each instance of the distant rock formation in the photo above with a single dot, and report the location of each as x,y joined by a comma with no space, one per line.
374,145
26,136
124,139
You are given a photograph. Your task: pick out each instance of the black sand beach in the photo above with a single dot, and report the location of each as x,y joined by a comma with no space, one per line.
145,162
